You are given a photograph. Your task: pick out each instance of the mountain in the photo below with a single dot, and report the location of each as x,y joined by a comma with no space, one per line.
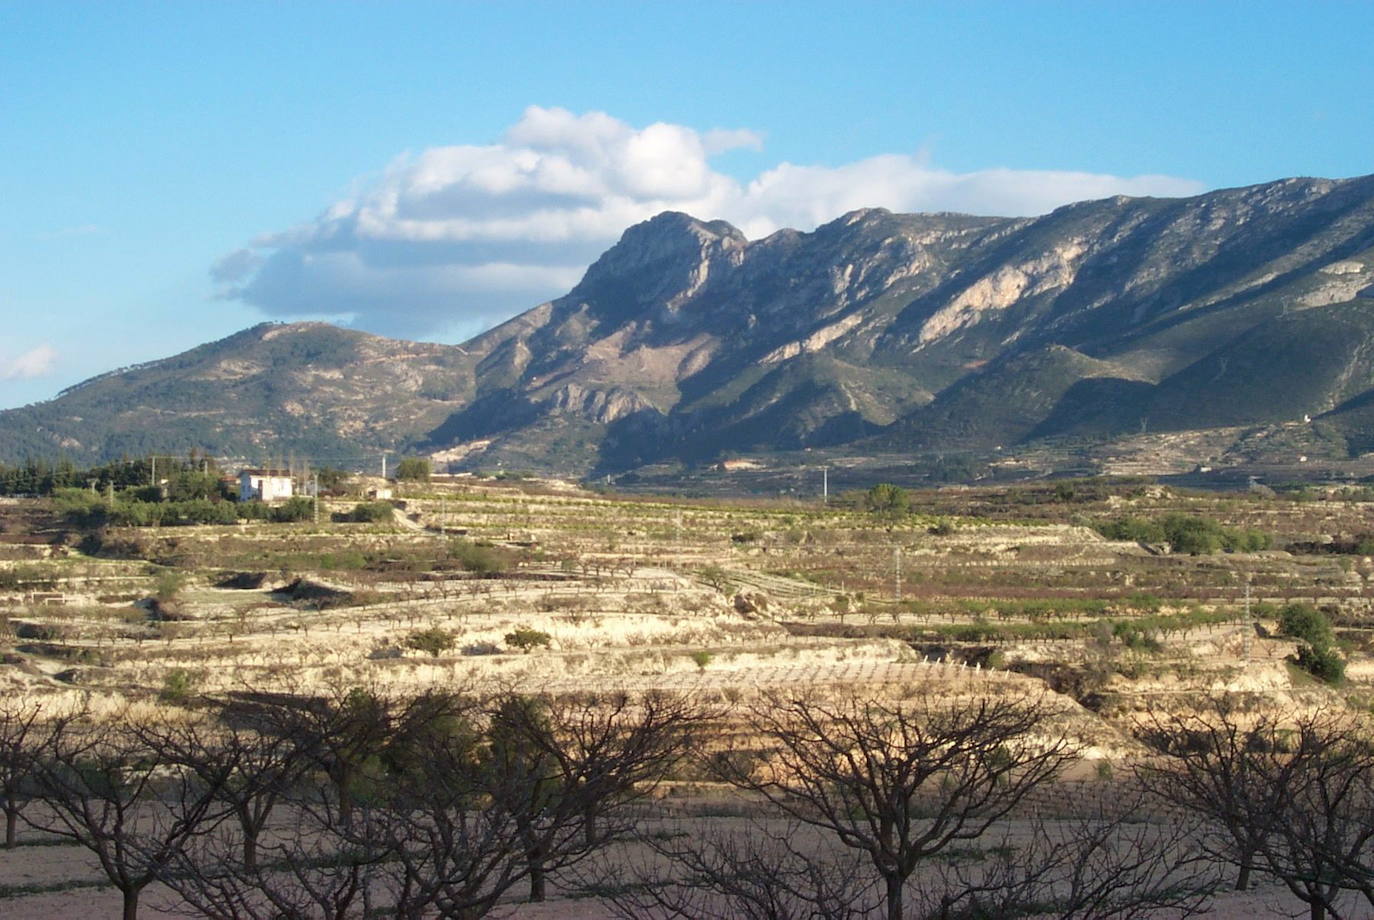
882,332
307,388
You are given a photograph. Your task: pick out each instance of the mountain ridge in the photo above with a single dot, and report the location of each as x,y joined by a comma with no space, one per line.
880,331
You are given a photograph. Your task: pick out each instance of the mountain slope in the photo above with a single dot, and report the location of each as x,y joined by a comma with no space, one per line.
308,388
885,331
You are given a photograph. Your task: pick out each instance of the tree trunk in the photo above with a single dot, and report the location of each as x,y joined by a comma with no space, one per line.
537,886
344,786
1243,877
894,897
131,903
11,828
1318,910
250,838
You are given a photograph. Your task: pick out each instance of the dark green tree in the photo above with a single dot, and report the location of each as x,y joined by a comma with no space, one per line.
413,469
885,498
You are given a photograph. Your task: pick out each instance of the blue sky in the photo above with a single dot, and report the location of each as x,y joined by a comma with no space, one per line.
171,172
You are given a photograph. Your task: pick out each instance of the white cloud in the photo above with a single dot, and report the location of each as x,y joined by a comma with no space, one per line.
463,233
33,363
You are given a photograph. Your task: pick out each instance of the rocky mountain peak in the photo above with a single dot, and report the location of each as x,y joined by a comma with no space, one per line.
663,261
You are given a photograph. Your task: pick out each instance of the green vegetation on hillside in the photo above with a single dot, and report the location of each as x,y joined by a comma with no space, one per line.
1185,533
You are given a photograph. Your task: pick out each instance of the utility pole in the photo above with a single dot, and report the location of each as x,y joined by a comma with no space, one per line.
152,476
825,485
897,572
1249,626
384,464
317,498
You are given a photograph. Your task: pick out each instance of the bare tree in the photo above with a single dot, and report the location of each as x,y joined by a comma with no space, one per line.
565,768
899,781
1325,840
1211,768
702,871
459,800
109,788
1107,856
340,734
1293,795
266,767
313,865
1098,860
22,734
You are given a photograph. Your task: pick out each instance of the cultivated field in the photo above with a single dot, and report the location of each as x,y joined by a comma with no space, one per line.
540,588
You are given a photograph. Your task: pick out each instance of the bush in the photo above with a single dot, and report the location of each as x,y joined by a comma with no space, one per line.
528,639
1317,654
168,585
482,648
1140,530
701,659
371,512
413,469
478,559
178,686
1324,664
434,641
81,507
1135,637
1197,536
294,510
253,511
885,498
1306,623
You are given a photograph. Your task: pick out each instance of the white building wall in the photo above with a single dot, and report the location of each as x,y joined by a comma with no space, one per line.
257,487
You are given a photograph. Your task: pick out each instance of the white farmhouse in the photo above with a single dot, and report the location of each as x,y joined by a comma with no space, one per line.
264,485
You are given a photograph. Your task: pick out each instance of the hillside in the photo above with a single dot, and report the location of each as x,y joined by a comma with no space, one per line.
880,332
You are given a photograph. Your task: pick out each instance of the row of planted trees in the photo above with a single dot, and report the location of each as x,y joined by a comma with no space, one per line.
842,806
338,807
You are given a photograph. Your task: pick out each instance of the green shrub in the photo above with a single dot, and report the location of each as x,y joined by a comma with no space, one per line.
1141,530
885,498
1246,541
527,639
701,659
1317,652
294,510
1323,663
1197,536
253,511
168,585
177,686
434,641
413,469
1135,637
371,512
1307,624
80,507
478,559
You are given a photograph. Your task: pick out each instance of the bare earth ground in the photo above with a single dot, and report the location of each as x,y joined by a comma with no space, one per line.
48,865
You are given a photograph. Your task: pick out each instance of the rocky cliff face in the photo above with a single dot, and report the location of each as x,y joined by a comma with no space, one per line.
895,332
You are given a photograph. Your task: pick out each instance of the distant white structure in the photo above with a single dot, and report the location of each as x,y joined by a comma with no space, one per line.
265,485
